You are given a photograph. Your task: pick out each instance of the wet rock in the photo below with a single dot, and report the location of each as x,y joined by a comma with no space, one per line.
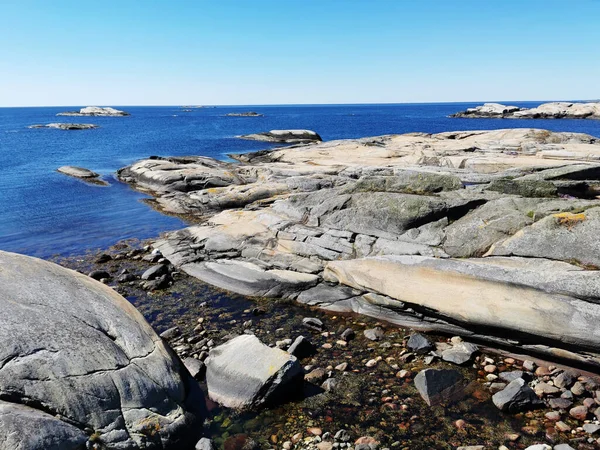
419,344
99,274
329,384
155,272
301,348
204,444
348,334
103,258
316,376
565,379
245,373
374,334
313,323
517,396
439,386
161,282
195,367
460,353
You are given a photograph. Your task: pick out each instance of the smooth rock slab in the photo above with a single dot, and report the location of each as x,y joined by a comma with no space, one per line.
245,373
284,136
439,386
67,126
81,355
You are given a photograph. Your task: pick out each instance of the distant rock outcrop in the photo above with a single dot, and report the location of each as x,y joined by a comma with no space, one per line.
245,114
82,173
80,366
67,126
95,111
553,110
285,136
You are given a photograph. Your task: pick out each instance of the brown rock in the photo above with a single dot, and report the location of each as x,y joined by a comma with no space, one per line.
579,412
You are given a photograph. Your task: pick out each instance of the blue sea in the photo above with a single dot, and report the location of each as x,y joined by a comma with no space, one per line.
44,213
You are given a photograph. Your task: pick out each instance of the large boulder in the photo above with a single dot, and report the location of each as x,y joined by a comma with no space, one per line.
78,362
245,373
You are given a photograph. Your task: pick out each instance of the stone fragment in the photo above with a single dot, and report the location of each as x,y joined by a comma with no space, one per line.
374,334
517,396
419,344
439,386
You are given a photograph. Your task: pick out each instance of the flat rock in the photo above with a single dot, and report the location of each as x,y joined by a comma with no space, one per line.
301,348
439,386
81,173
552,110
245,373
419,344
88,356
460,353
155,272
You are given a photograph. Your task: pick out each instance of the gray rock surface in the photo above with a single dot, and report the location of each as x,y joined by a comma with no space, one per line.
515,397
419,344
76,358
439,386
81,173
244,373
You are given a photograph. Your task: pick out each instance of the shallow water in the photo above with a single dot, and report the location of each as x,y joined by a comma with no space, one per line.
43,212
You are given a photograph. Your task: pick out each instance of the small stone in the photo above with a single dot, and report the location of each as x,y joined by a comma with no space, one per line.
341,367
539,447
517,396
348,334
316,376
195,367
591,428
529,365
578,388
371,363
589,402
565,379
287,445
460,353
204,444
99,274
403,373
439,386
296,438
313,323
301,348
510,376
329,384
563,447
460,424
103,258
579,412
325,445
543,388
374,334
171,333
553,416
342,435
562,427
490,368
315,431
419,344
542,371
327,346
491,377
155,272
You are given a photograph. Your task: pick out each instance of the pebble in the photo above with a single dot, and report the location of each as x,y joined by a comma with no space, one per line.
578,388
371,363
341,367
529,365
403,374
374,334
490,368
562,427
315,431
579,412
553,416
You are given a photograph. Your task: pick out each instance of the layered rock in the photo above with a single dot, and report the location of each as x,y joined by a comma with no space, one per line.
67,126
477,233
95,111
284,136
79,364
552,110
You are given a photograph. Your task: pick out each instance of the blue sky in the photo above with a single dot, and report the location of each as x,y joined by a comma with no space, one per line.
290,51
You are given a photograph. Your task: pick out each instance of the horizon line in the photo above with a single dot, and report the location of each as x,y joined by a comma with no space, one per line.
200,106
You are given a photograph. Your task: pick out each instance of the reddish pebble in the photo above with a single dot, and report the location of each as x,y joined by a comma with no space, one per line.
554,416
579,412
460,424
315,431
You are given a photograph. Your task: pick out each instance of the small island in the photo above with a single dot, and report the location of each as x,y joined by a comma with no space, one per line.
553,110
95,111
67,126
83,174
284,136
245,114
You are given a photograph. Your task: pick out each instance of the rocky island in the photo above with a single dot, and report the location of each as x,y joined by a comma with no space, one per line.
67,126
83,174
245,114
95,111
284,136
553,110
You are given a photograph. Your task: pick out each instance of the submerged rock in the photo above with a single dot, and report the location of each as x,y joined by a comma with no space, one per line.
245,373
284,136
95,111
75,352
81,173
439,386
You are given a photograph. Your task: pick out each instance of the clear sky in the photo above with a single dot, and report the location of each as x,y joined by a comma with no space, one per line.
152,52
